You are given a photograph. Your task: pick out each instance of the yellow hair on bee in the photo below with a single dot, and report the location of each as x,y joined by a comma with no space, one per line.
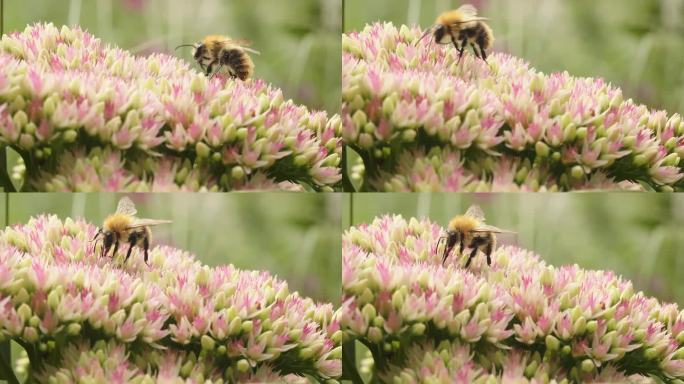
117,222
450,17
218,51
463,224
463,28
209,39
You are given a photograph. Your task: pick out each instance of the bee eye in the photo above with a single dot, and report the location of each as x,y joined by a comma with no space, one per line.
199,51
439,33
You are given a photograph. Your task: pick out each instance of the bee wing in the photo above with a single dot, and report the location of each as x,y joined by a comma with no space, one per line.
469,19
469,13
476,213
241,42
467,10
490,228
250,50
126,207
147,223
244,44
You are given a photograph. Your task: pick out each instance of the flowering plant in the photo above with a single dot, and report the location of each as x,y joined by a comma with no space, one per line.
518,318
79,316
420,120
85,116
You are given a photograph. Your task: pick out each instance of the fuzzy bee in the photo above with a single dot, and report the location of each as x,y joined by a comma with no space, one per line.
216,52
123,227
462,27
469,230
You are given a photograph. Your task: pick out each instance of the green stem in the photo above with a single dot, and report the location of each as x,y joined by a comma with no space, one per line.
349,371
6,372
347,185
5,179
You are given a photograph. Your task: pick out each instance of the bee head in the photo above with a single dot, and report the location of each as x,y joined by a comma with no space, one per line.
108,239
453,236
198,51
440,35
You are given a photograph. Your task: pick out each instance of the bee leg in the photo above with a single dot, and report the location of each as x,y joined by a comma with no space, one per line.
451,241
116,246
464,42
217,71
146,247
209,67
470,258
488,253
479,52
132,239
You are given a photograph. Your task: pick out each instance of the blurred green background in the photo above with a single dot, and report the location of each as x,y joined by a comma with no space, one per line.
299,40
636,235
294,236
635,44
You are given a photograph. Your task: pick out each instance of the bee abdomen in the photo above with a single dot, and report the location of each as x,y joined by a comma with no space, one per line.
484,38
239,63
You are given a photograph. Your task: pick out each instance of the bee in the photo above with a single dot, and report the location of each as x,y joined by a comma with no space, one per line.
462,27
217,52
470,231
123,227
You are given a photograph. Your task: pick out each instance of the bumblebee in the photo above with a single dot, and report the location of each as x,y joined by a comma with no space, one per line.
462,27
123,227
469,230
218,52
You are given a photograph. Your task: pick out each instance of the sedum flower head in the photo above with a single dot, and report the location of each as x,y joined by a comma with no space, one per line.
402,100
64,95
58,295
575,323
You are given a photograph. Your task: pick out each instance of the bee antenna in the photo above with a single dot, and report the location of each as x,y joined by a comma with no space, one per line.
439,241
427,32
184,45
99,232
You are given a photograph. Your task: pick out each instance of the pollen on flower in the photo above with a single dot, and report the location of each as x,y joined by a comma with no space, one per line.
518,318
58,297
500,125
91,117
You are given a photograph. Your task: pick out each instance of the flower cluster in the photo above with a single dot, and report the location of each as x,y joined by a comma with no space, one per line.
402,100
110,362
518,316
65,98
451,362
56,293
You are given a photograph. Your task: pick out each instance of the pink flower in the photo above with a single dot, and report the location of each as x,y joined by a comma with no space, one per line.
517,318
54,285
79,94
415,99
